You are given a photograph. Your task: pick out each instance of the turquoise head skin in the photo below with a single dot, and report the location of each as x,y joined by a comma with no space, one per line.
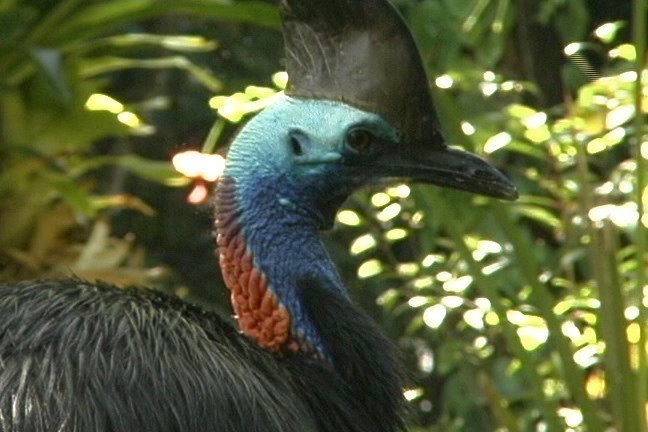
310,154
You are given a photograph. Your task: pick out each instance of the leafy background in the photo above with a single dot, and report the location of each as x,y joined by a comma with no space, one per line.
525,316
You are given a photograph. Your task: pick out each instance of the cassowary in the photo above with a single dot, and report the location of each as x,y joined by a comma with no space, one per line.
81,356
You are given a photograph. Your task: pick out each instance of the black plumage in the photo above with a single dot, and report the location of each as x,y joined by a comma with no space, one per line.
92,357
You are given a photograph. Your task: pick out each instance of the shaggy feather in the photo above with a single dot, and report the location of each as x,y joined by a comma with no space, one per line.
91,357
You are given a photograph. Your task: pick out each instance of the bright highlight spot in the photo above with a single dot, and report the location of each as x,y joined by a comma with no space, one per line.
535,121
389,212
624,51
458,285
423,282
407,269
400,191
474,318
467,128
623,216
595,385
380,199
348,217
362,244
483,303
430,259
396,234
532,337
370,268
237,105
488,88
608,140
572,48
485,248
633,333
417,301
512,86
444,81
570,330
186,42
631,313
410,395
280,79
586,356
520,319
194,164
480,342
129,119
619,116
102,102
452,302
489,76
198,194
434,315
606,32
497,142
629,76
572,416
492,319
426,361
538,135
489,246
444,276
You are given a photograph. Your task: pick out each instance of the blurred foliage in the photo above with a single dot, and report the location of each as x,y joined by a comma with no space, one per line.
525,316
57,61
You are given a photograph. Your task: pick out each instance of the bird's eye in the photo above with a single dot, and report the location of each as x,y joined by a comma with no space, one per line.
360,140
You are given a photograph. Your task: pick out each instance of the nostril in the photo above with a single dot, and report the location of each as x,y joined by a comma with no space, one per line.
296,146
483,174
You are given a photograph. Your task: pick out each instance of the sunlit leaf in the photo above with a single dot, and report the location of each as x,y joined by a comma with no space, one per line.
608,31
103,16
370,268
180,43
362,244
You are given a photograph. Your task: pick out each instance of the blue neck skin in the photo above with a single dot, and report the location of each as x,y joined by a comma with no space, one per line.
285,242
284,204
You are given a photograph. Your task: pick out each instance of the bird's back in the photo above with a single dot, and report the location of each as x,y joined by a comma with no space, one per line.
76,356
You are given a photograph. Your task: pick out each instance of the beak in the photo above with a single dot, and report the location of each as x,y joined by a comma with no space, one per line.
449,167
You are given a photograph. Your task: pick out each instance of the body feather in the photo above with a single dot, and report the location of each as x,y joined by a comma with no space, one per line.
93,357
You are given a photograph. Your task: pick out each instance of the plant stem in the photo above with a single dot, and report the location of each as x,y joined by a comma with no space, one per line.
530,270
619,373
211,142
447,214
641,142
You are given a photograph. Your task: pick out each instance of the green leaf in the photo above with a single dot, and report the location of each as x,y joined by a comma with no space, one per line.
14,23
50,62
79,199
538,214
72,131
181,43
105,16
157,171
95,66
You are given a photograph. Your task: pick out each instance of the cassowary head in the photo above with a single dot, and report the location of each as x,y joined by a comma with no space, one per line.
357,109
